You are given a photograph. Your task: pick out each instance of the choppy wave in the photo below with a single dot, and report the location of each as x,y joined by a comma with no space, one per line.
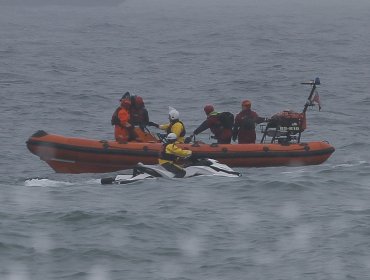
63,70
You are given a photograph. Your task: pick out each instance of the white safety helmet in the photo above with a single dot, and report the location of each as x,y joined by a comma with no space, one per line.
174,115
171,136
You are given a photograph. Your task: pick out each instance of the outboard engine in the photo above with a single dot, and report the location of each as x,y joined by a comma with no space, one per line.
285,127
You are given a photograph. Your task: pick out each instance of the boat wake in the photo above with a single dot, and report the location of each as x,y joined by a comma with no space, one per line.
351,163
43,182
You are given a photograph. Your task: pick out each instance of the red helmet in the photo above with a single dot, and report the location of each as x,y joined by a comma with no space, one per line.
247,104
208,109
139,101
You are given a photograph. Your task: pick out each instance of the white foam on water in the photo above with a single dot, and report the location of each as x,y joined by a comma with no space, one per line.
93,182
361,162
294,173
45,183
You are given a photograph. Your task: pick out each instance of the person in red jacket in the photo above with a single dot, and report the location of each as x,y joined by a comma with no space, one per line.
139,114
245,124
221,133
123,130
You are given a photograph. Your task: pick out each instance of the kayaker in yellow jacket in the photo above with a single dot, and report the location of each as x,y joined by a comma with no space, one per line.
170,153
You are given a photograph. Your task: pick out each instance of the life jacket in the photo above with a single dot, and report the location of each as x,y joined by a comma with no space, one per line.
165,156
183,132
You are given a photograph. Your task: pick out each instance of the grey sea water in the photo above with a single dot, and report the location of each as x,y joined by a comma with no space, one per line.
63,67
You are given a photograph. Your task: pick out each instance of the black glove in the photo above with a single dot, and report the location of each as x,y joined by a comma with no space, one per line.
187,140
153,124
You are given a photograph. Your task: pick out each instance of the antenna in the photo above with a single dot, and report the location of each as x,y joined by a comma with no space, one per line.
313,83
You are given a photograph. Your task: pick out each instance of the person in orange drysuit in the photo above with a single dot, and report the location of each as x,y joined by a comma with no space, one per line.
123,130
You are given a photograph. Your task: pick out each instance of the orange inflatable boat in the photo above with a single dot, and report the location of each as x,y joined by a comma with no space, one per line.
280,145
78,155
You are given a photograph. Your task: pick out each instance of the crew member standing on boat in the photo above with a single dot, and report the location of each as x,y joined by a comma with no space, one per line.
139,114
174,126
245,124
170,153
221,133
115,120
123,130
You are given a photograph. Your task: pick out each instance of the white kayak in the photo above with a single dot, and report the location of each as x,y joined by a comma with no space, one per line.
199,167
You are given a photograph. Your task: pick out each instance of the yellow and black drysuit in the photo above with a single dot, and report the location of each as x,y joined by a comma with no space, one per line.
176,127
169,154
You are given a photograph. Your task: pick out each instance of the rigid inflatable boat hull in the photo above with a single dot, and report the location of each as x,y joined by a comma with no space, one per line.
78,155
